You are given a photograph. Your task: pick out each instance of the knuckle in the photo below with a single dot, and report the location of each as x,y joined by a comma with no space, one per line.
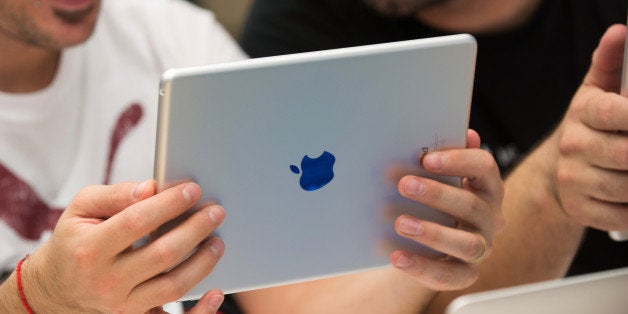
84,195
85,255
164,255
472,207
117,199
575,210
122,194
432,235
443,277
172,290
486,161
620,156
469,278
569,144
565,176
133,221
478,206
605,110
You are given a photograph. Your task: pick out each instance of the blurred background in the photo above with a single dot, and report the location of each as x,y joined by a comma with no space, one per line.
229,12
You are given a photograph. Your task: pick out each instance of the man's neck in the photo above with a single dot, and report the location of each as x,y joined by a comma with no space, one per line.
479,16
25,68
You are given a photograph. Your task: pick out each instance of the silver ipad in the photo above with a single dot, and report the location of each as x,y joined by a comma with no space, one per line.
304,152
602,292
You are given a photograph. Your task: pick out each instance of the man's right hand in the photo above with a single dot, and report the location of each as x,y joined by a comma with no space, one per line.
89,264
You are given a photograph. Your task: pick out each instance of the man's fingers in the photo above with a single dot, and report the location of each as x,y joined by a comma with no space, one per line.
139,219
104,201
606,112
598,214
606,65
436,274
593,182
174,284
172,247
606,150
461,244
479,168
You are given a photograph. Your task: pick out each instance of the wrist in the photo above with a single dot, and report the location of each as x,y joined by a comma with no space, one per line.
37,287
10,301
40,286
534,183
20,286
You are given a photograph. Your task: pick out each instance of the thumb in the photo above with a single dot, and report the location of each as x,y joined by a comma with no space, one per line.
607,61
104,201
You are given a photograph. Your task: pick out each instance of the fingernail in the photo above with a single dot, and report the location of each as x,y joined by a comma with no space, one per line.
191,192
410,227
215,302
139,188
215,214
414,187
433,161
403,261
216,246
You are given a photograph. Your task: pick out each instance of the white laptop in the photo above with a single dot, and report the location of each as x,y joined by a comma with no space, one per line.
597,293
303,152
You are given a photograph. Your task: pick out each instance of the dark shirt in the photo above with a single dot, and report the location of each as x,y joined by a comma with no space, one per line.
525,78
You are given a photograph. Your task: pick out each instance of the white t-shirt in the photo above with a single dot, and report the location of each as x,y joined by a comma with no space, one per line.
96,122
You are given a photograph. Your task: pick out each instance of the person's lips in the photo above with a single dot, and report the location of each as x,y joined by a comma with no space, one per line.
71,5
72,11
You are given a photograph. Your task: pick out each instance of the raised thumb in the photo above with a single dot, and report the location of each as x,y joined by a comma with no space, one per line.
607,62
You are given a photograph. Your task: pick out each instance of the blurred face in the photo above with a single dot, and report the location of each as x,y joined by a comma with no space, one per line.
401,7
48,24
472,16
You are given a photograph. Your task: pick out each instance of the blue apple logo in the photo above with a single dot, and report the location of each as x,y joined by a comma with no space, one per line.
315,172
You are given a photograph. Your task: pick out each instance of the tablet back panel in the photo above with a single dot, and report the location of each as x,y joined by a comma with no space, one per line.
241,130
603,292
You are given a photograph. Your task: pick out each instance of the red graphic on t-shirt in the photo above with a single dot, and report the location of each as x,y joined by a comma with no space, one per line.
126,122
21,207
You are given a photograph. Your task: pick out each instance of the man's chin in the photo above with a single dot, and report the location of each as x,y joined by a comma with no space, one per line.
75,27
63,35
